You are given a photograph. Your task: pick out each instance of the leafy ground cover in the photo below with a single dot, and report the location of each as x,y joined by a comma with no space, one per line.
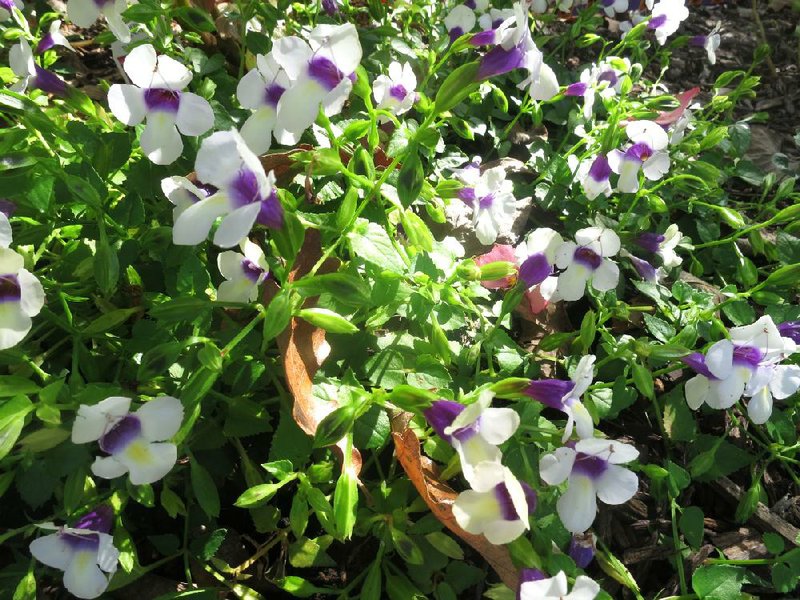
382,299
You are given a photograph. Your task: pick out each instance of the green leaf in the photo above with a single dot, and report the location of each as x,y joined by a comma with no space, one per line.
679,421
371,242
445,544
410,178
12,420
774,543
299,587
12,385
298,514
417,231
26,588
718,582
588,329
106,267
691,524
205,490
457,86
44,439
643,380
371,590
259,495
327,320
406,547
345,503
788,276
345,287
109,320
277,316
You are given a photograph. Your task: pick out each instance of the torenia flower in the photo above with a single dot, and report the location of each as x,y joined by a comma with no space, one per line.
244,194
21,294
646,153
591,469
746,364
516,49
52,38
790,330
183,193
666,17
157,97
85,552
260,90
587,261
566,397
710,43
594,175
663,245
7,6
330,6
243,272
497,507
20,59
537,257
612,7
459,21
85,12
134,441
582,548
320,72
474,431
535,585
491,198
395,92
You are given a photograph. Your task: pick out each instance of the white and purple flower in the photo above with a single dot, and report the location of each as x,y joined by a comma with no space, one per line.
536,256
53,38
514,50
790,330
184,193
594,175
85,12
244,194
587,261
395,92
646,153
244,272
582,548
592,470
7,7
31,75
157,97
663,245
666,17
459,21
535,585
85,552
21,294
710,43
135,442
490,195
565,396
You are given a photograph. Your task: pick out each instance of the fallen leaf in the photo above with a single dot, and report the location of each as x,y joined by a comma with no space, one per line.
439,497
685,99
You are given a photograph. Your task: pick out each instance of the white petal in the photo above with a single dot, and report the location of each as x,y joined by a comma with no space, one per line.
236,225
31,298
656,166
292,54
606,276
461,16
564,254
108,467
91,422
82,12
6,235
610,450
239,290
628,175
14,325
127,103
585,588
171,74
334,100
250,90
474,452
498,424
192,225
107,554
760,406
257,129
545,86
763,334
10,261
719,359
160,139
578,506
140,64
83,578
615,160
299,105
726,392
160,418
195,116
147,461
52,551
487,475
616,485
115,22
475,511
504,532
556,467
785,381
696,391
583,420
219,158
229,264
340,43
572,282
648,132
254,253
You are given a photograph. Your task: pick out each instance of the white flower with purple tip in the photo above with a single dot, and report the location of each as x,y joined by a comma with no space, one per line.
498,507
582,548
666,17
646,154
595,176
85,552
587,261
7,7
31,75
321,72
244,194
157,97
474,431
746,364
612,7
135,442
515,50
184,193
260,90
591,469
459,21
536,256
603,79
710,43
52,38
397,91
566,396
493,19
244,272
663,245
21,295
490,195
535,585
85,12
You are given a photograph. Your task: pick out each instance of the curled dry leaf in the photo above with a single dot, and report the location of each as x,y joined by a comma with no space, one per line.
439,497
684,99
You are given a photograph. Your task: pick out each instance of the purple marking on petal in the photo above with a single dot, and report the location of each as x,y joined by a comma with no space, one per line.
698,40
530,497
609,76
589,465
600,170
7,4
640,152
657,22
207,189
607,3
45,43
99,519
122,434
441,415
331,7
587,257
271,212
7,207
79,543
251,270
503,497
747,356
581,550
498,61
576,89
650,241
470,4
550,392
273,93
9,288
455,33
484,38
398,92
535,269
791,330
645,269
467,194
486,201
49,82
697,362
496,23
162,99
526,575
324,71
244,189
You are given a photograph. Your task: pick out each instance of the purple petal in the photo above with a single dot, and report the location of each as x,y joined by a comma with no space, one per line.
535,269
9,288
698,40
526,575
589,465
251,270
455,33
398,92
7,207
123,433
747,356
503,497
498,61
657,22
244,189
576,89
530,496
271,212
45,43
550,392
441,415
99,519
324,71
486,201
640,152
470,4
162,99
697,362
581,549
600,170
484,38
587,257
609,76
467,194
331,7
80,543
273,93
649,241
49,82
645,269
791,330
